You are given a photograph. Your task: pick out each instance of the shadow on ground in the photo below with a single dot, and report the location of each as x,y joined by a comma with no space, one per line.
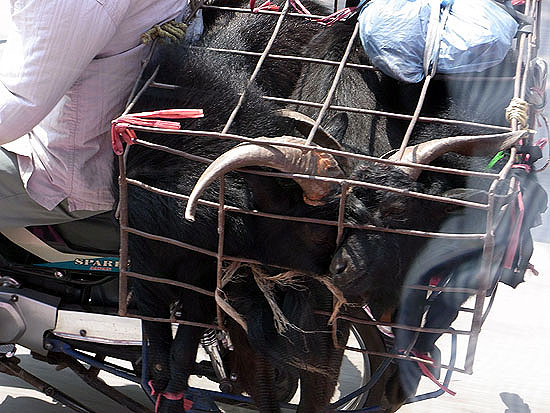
514,403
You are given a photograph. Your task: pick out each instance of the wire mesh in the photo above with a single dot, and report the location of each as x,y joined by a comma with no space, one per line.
526,47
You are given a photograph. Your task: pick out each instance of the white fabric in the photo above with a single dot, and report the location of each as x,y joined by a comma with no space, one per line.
66,72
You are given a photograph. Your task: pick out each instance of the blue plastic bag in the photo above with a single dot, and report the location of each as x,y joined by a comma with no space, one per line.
477,35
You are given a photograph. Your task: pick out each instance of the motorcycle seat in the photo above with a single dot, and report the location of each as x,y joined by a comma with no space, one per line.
99,233
96,235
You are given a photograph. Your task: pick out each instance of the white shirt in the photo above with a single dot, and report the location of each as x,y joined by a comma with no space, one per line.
66,71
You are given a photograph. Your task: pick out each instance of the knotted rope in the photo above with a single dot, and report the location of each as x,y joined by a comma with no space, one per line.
171,31
517,109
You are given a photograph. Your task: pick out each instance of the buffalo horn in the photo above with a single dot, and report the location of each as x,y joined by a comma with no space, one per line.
475,145
322,137
282,158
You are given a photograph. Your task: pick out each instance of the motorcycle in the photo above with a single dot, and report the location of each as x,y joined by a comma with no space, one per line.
59,298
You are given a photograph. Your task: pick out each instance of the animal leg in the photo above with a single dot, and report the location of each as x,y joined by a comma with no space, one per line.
183,354
317,388
157,341
265,397
157,337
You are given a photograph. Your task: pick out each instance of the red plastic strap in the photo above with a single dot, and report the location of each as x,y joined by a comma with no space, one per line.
266,5
532,268
121,127
426,371
341,14
517,2
523,166
514,237
300,8
187,404
541,142
435,280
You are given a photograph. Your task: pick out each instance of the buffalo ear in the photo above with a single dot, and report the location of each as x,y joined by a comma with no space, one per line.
337,126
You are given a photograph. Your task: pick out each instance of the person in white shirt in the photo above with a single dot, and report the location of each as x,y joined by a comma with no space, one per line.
66,71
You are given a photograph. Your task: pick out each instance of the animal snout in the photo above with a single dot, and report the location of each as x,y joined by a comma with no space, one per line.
339,265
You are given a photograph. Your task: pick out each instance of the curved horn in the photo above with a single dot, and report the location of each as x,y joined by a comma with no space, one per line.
476,145
304,124
283,158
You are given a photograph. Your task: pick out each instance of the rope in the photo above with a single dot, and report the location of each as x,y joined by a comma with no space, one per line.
266,285
171,31
340,300
517,109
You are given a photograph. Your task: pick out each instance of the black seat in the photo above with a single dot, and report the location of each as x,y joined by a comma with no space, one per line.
97,234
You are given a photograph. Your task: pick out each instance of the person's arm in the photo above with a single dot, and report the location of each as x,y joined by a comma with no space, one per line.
53,42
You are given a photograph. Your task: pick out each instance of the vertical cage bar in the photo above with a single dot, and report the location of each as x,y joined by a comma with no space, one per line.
415,117
123,219
258,66
332,89
221,238
341,211
484,273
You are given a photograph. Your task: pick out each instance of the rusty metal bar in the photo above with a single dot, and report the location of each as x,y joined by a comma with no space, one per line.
173,321
390,114
221,240
394,325
167,86
306,59
321,221
123,220
133,98
288,57
275,13
239,138
167,281
488,249
258,65
528,6
141,91
334,84
415,116
341,211
445,289
172,151
403,357
167,240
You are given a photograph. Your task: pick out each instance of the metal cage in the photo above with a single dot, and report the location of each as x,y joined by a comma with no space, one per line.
526,45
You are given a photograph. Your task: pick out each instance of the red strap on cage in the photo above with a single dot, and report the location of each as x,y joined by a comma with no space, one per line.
341,14
532,268
266,5
121,127
187,404
426,371
329,20
541,143
517,217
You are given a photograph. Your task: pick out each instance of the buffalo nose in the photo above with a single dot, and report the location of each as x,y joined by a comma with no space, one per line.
338,265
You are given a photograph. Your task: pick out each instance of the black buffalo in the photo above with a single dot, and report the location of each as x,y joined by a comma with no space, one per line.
367,266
